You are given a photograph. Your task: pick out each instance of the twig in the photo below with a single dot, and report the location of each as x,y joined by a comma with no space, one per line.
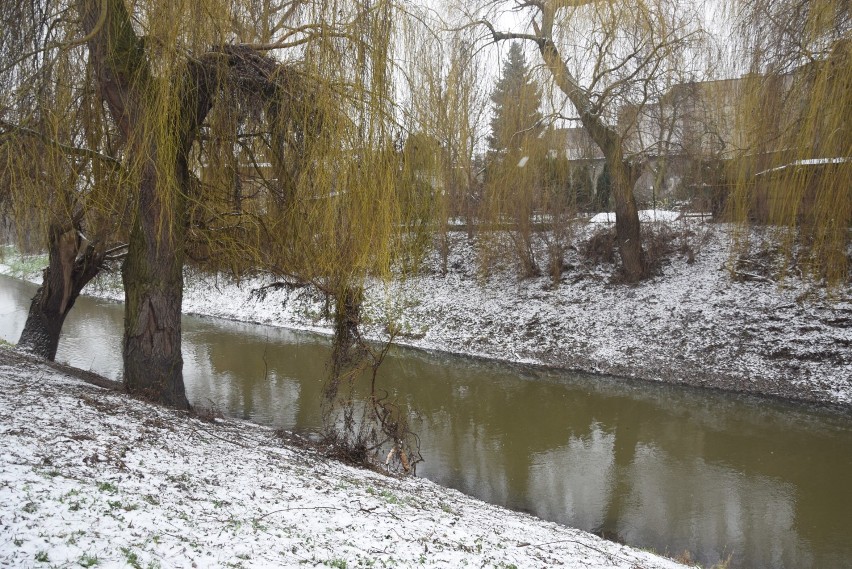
578,542
298,508
196,429
751,277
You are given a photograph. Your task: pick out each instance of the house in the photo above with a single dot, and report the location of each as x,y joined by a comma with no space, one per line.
685,139
579,148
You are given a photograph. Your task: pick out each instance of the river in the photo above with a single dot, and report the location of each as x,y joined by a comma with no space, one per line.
661,467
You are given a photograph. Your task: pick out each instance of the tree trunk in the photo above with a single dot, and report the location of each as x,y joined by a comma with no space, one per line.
63,279
153,270
627,226
153,290
347,334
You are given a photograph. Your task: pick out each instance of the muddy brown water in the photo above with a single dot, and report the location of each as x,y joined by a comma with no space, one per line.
659,467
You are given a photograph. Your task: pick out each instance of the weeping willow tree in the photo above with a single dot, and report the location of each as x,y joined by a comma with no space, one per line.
446,106
251,135
796,127
604,55
318,131
63,188
351,219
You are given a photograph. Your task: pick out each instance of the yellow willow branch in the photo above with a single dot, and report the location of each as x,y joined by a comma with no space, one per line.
95,30
10,129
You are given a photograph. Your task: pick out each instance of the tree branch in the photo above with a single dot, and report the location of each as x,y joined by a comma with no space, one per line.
10,129
312,32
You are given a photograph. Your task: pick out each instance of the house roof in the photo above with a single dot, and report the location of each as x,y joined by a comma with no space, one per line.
808,162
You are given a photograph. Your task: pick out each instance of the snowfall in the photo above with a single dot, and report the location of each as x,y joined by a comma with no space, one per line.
90,474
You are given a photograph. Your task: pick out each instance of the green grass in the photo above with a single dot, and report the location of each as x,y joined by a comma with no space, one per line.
22,266
88,561
131,558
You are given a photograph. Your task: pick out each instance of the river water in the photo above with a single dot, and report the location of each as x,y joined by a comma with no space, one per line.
661,467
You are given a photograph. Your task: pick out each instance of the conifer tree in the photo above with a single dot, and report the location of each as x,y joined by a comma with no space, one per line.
513,189
517,99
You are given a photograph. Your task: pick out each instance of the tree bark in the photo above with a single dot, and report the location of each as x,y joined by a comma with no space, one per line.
62,282
627,227
153,291
152,271
623,176
347,335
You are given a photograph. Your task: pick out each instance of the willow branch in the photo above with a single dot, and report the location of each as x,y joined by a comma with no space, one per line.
312,31
11,129
94,31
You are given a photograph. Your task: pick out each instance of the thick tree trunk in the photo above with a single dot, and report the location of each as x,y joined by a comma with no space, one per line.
627,226
64,278
152,272
153,291
629,236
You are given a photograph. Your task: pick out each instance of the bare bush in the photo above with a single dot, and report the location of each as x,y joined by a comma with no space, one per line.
370,430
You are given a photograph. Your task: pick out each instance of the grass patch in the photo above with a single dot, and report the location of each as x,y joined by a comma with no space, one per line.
131,558
447,509
88,561
23,266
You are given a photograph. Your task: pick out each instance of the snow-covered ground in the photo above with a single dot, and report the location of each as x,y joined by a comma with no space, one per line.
692,323
92,477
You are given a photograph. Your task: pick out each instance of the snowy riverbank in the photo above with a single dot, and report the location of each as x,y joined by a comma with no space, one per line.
92,477
691,324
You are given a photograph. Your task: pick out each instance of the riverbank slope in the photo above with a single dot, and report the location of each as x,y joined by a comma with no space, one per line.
92,477
703,319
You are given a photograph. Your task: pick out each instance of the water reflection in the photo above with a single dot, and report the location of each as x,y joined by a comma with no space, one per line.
247,374
655,466
576,481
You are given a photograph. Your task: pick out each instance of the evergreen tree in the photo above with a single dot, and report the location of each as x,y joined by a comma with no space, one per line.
602,190
517,99
582,188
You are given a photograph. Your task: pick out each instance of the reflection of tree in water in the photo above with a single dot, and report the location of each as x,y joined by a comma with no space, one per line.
638,462
278,378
